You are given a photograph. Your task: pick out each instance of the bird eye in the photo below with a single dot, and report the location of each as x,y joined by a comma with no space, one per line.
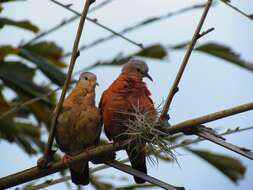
138,70
86,78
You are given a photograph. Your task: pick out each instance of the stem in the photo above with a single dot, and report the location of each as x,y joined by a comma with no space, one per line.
99,24
236,9
48,151
174,88
184,126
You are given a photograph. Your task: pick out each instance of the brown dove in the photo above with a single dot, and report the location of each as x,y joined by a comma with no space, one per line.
125,94
78,125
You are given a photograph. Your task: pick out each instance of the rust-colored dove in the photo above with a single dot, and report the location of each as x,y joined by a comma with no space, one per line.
125,94
78,125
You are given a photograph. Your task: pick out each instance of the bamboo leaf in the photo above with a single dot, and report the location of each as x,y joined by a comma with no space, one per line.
6,50
226,53
4,105
19,77
156,51
229,166
22,134
41,111
24,24
48,50
51,71
251,16
136,186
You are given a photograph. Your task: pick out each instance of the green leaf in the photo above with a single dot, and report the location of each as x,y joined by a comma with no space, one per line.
6,50
51,71
156,51
48,50
226,53
19,77
4,105
229,166
1,8
23,134
251,16
24,24
41,111
28,129
136,186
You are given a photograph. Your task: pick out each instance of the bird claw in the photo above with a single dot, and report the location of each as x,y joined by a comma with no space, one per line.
66,159
45,160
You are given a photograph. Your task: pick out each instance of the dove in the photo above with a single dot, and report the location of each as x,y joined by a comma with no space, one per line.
78,126
124,95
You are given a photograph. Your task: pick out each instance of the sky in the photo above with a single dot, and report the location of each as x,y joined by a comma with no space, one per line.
209,84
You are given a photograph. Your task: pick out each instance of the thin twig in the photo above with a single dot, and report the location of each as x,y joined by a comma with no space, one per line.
95,21
184,143
138,25
48,183
48,152
189,124
99,6
213,138
34,173
64,23
185,44
27,103
51,30
236,9
131,171
174,87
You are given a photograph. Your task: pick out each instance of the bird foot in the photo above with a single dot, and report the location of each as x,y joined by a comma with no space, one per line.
66,159
45,160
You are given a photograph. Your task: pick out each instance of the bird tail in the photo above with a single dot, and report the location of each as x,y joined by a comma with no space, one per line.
138,162
82,177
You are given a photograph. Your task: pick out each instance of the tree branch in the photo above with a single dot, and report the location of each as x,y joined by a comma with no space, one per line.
48,152
139,174
34,173
201,132
174,87
95,21
184,143
188,125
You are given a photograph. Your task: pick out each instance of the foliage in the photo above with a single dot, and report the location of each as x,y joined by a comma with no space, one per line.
229,166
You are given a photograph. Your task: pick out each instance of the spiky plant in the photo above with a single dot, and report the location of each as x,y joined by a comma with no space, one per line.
143,127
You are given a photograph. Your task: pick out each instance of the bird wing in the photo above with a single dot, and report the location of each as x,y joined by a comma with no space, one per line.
65,122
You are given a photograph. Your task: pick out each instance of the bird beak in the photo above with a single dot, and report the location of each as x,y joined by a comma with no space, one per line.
97,84
148,76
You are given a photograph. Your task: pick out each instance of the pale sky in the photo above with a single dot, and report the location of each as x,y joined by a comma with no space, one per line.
208,85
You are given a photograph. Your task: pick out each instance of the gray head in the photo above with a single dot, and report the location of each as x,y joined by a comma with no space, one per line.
136,67
88,81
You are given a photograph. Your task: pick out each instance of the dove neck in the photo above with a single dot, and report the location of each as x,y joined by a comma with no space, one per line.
81,95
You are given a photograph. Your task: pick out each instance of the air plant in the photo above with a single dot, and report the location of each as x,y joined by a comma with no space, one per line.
143,128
